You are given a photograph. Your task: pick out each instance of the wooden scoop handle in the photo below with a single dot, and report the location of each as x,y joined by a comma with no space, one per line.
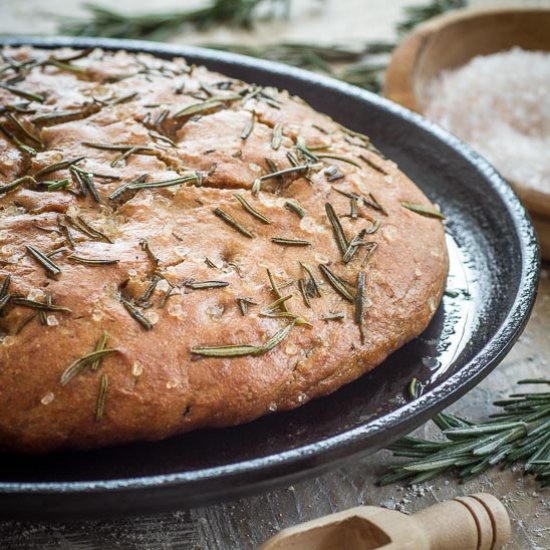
477,522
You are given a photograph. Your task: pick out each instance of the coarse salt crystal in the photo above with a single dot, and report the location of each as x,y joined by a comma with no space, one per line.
500,104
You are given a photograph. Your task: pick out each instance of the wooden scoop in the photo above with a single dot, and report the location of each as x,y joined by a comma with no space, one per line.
476,522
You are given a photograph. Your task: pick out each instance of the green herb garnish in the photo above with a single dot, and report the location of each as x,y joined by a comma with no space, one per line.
250,209
101,397
425,211
79,365
50,267
337,283
229,220
240,350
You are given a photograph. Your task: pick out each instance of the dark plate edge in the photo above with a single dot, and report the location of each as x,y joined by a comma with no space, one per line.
306,461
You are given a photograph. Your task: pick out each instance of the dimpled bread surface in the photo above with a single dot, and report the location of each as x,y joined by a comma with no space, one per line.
142,298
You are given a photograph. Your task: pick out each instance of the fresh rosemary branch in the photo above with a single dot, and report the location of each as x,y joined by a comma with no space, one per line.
362,64
519,432
160,25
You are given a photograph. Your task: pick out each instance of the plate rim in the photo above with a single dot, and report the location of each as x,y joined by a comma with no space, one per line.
301,461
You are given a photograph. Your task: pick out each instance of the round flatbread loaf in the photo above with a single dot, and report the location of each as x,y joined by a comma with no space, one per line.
181,250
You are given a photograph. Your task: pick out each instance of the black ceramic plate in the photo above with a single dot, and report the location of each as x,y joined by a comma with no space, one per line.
492,286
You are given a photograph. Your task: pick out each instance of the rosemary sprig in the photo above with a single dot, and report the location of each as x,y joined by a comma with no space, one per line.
91,261
101,396
245,134
100,346
338,230
33,304
519,432
295,207
277,137
285,241
337,283
29,96
244,303
250,209
426,211
158,25
229,220
53,269
206,284
76,367
240,350
85,182
57,166
359,302
136,314
27,149
4,292
15,184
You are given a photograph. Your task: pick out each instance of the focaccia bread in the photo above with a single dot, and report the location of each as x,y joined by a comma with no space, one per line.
181,250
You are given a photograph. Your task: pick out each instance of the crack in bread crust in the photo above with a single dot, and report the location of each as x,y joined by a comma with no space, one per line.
127,241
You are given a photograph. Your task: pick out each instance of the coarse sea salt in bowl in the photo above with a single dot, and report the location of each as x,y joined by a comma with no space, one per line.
484,75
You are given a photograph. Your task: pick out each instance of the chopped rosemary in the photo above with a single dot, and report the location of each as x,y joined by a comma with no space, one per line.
305,291
249,127
354,246
240,350
373,165
250,209
185,178
206,106
145,246
89,230
60,117
334,316
50,267
206,284
136,314
371,247
33,304
244,303
56,185
4,292
312,282
275,289
100,346
339,235
120,190
101,397
29,135
285,241
18,144
426,211
292,170
338,157
359,302
16,183
295,207
85,182
277,137
91,261
229,220
76,367
57,166
337,283
22,93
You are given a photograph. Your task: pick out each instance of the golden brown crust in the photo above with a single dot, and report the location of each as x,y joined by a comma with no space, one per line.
156,386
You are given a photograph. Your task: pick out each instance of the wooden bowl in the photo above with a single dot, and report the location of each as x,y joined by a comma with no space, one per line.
451,40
